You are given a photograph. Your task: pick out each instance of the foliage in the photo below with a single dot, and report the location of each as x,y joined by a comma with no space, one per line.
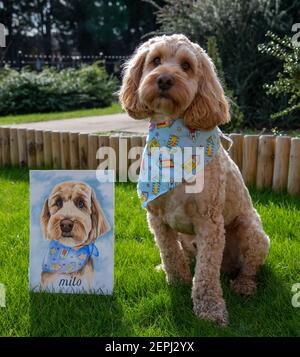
237,116
51,90
288,80
239,27
75,26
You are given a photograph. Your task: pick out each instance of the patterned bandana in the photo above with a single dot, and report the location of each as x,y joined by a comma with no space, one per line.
63,259
167,142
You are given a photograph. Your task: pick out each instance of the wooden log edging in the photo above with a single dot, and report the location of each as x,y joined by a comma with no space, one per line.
56,150
65,150
281,163
14,148
265,161
22,147
236,150
294,168
249,164
74,150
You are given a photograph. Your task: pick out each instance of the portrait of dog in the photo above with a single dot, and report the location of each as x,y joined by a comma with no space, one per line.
167,78
71,220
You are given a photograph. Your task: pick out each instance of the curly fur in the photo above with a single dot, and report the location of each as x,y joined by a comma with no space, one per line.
218,226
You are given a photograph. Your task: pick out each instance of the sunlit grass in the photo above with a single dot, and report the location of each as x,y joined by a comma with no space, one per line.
142,303
37,117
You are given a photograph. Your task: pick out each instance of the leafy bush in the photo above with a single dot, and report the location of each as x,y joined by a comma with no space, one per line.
52,90
239,27
288,80
237,116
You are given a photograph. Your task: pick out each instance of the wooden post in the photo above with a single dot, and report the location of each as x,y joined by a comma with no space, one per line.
225,143
124,145
144,139
5,146
135,157
56,157
39,146
31,148
65,150
93,147
22,145
14,150
265,161
74,151
83,151
114,144
103,141
47,149
281,163
249,167
294,168
236,150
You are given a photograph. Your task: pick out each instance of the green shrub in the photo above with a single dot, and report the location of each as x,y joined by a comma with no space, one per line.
239,26
237,115
52,90
287,82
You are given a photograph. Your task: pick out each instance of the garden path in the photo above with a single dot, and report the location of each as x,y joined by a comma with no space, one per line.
104,123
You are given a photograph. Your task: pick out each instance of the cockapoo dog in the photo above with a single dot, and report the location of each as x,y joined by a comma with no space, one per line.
171,77
71,219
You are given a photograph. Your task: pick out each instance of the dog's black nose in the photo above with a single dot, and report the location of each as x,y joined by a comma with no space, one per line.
165,81
66,225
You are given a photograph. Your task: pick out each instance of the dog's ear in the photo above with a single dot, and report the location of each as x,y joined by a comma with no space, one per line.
128,94
209,107
99,222
44,218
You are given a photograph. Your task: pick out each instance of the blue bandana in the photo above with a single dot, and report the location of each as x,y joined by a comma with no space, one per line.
159,171
63,259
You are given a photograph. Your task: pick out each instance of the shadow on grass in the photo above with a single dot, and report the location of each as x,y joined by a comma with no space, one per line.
265,197
267,313
75,315
14,173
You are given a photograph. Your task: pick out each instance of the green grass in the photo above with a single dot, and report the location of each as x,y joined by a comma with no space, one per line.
142,303
36,117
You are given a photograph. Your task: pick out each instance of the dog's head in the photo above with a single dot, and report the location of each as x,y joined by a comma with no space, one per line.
172,76
72,215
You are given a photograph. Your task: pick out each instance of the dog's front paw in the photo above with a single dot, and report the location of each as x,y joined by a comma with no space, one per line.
212,310
244,285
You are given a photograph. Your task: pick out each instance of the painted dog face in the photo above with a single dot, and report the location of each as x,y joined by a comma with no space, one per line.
72,215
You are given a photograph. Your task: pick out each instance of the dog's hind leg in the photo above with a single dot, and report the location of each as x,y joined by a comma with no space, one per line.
253,250
172,255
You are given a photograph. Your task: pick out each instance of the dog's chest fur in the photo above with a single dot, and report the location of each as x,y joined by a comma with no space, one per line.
179,209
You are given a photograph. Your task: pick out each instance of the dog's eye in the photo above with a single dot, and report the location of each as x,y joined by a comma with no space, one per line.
59,202
156,61
185,66
80,204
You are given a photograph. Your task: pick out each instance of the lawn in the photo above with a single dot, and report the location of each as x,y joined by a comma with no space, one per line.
142,303
29,118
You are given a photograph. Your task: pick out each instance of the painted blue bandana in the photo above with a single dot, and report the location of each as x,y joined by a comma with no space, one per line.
63,259
160,169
